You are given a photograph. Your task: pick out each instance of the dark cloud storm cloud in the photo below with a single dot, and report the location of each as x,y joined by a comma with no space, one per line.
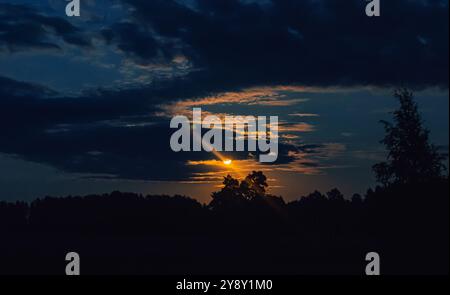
309,42
23,28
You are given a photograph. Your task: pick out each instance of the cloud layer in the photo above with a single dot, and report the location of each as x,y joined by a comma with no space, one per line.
233,52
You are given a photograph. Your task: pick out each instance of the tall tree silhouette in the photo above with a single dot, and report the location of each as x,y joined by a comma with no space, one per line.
411,157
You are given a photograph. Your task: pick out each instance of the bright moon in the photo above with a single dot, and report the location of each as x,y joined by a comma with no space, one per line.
227,162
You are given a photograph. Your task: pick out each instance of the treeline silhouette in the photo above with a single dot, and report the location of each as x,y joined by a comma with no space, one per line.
407,225
244,229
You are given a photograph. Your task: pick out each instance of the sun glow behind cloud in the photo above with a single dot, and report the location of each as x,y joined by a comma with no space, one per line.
212,171
279,101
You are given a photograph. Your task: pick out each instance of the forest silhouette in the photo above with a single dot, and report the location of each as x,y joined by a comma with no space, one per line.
244,229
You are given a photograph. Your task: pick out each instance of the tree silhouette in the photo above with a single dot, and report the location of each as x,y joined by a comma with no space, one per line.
235,194
411,157
335,195
229,197
230,183
254,185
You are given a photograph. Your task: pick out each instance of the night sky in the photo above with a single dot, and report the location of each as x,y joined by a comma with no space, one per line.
85,102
